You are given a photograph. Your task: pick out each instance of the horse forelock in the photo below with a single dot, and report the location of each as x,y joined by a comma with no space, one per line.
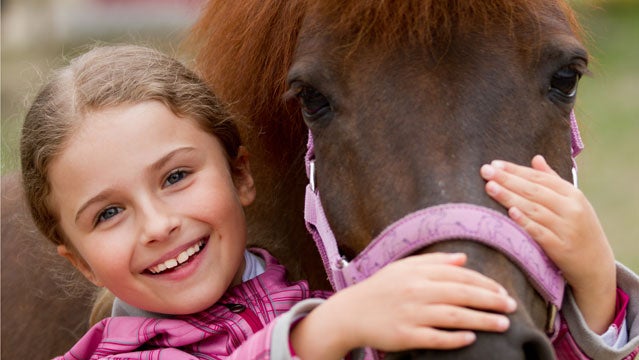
429,23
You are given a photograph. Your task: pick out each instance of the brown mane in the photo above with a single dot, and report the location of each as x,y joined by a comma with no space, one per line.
244,51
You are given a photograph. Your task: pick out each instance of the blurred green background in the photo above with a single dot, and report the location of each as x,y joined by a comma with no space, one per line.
37,34
608,114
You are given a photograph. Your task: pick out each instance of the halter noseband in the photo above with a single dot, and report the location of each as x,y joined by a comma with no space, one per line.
436,224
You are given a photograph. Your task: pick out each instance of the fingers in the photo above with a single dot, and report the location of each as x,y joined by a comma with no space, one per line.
426,283
542,234
429,333
539,211
429,338
420,296
532,208
446,316
438,258
540,196
434,266
540,173
460,294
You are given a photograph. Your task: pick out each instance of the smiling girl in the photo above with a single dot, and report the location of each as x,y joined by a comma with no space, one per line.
137,175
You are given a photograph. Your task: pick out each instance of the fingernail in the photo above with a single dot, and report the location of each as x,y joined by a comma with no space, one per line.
456,256
487,171
492,188
511,304
498,164
470,337
503,322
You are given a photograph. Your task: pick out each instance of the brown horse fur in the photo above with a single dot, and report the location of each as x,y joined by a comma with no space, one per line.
40,318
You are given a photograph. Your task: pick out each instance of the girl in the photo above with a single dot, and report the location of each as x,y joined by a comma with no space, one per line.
132,169
559,217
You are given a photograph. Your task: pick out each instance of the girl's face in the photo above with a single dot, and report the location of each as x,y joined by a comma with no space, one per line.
148,201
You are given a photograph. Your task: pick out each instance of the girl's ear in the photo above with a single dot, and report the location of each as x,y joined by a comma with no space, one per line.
79,264
242,177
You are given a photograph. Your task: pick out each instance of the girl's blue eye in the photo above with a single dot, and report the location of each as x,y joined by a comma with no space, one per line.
175,177
107,214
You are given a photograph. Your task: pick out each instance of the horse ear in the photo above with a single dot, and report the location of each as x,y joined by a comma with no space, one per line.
242,177
79,264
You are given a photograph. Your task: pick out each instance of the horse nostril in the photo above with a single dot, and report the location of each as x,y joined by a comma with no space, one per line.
404,355
537,349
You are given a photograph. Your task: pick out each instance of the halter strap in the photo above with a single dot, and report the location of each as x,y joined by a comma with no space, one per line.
577,145
432,225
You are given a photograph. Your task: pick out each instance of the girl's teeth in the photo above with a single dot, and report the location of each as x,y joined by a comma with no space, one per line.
181,258
171,263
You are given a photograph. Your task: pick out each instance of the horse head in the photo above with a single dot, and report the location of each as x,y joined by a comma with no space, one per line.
404,102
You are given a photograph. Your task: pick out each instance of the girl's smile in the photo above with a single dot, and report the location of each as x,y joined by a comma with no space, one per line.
173,262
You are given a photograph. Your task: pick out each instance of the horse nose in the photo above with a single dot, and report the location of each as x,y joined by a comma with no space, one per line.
535,345
520,342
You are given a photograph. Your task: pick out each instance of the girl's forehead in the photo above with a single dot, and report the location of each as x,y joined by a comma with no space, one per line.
144,111
147,127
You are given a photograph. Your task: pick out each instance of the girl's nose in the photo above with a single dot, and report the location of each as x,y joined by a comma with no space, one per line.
159,221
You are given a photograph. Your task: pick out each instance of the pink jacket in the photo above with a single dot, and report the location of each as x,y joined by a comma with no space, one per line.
241,326
222,331
575,341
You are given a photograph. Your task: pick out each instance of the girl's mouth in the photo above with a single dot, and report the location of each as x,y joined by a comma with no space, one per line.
181,258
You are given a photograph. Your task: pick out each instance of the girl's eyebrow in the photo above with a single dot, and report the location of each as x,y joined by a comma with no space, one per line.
97,198
155,166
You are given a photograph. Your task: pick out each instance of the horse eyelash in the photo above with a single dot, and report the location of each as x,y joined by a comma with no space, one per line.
292,93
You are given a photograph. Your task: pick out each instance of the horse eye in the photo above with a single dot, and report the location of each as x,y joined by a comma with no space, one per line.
565,82
314,104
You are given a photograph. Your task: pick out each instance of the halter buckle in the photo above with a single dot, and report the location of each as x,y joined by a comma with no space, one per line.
311,174
552,315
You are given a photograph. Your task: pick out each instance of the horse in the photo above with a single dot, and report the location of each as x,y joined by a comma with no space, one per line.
403,102
42,317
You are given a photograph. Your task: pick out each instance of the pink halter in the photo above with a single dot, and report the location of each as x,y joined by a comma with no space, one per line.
432,225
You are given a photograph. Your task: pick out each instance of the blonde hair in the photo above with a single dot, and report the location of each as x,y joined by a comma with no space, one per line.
104,77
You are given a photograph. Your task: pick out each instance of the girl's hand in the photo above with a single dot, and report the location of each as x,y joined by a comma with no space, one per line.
404,306
559,217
